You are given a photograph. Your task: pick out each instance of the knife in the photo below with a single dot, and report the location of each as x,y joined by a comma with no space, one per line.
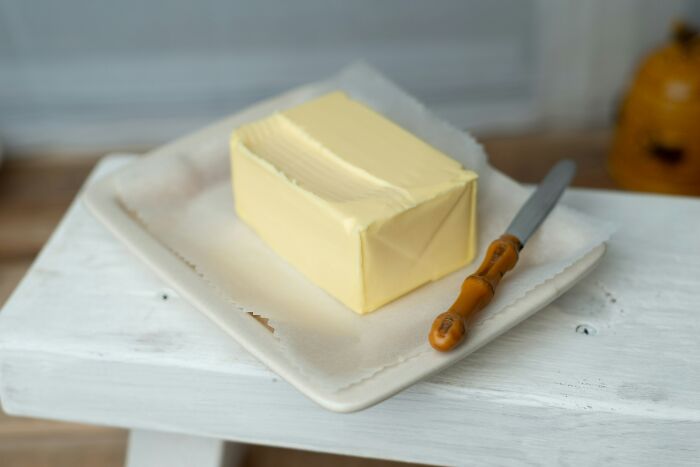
450,327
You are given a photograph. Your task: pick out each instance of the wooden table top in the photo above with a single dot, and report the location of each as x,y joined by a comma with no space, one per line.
87,337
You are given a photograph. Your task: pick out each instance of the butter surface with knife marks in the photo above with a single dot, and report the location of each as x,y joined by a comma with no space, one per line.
362,207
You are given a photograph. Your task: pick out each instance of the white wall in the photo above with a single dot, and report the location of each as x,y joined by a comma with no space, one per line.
589,50
91,74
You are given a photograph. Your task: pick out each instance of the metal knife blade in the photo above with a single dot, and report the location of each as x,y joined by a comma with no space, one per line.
542,201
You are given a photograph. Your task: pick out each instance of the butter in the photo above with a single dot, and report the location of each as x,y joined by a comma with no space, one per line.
363,208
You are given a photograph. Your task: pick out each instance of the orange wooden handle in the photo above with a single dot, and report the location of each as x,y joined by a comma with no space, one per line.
449,327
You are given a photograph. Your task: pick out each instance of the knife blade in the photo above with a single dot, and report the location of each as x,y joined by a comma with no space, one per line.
450,327
542,201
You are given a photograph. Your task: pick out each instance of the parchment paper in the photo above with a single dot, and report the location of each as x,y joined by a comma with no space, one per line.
185,200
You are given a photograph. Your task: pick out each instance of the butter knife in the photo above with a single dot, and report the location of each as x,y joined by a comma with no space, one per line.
450,327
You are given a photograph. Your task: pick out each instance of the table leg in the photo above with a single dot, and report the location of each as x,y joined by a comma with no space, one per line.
156,449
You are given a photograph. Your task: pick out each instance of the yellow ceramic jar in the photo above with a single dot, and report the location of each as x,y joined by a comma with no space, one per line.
657,142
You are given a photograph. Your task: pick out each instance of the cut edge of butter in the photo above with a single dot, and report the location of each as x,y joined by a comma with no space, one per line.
408,231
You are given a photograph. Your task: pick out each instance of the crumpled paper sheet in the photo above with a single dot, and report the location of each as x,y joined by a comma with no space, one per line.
183,197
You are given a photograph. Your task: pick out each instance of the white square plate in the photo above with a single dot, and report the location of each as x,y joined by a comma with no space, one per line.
101,198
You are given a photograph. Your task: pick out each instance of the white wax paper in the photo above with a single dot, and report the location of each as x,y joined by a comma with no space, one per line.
185,200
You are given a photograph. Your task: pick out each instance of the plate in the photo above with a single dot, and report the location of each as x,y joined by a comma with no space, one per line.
101,198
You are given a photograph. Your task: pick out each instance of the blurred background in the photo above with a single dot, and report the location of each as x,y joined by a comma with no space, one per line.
79,75
534,80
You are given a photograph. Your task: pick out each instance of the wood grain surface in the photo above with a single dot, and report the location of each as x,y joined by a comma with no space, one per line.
35,193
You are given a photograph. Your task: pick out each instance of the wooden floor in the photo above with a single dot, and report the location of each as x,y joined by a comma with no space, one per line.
36,191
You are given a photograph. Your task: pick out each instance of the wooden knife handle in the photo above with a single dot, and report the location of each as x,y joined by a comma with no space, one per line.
449,327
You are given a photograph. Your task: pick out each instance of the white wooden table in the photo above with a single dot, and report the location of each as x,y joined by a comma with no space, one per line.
91,335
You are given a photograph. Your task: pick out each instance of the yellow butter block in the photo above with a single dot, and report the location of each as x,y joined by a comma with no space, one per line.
363,208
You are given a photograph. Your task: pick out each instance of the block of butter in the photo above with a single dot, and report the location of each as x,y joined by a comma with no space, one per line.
362,207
